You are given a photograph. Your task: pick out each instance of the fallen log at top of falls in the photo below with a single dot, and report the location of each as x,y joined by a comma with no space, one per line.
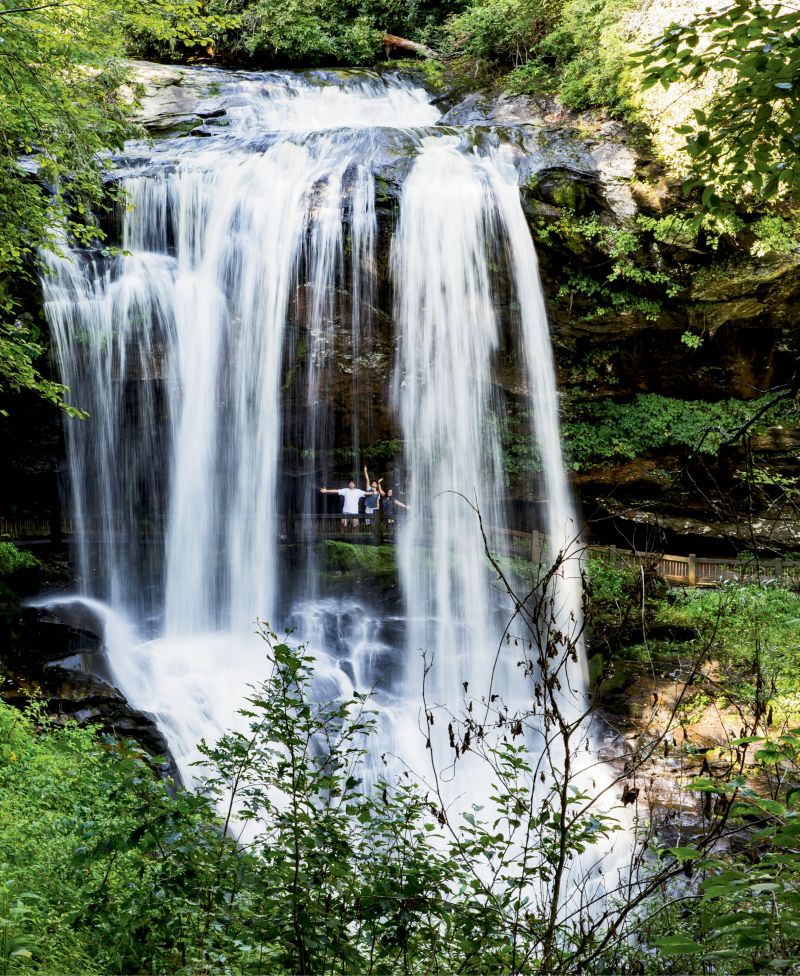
392,41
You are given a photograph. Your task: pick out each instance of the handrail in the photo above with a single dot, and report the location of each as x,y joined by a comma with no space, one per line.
695,570
691,570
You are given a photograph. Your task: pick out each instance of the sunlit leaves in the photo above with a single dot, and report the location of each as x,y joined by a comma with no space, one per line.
61,109
745,142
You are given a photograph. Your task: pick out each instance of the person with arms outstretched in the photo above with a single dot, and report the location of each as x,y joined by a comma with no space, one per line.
351,495
390,504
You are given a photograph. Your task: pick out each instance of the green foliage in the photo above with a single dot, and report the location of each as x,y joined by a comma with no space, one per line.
774,234
520,452
164,25
693,228
376,453
596,367
104,867
630,281
340,875
741,911
13,560
622,602
575,48
751,630
307,30
504,31
326,31
60,108
436,76
108,869
388,878
745,143
375,563
603,431
736,906
20,348
591,49
610,594
692,340
700,229
609,586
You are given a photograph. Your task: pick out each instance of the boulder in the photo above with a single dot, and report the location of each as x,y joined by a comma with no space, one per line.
45,635
87,699
767,532
766,290
171,97
478,108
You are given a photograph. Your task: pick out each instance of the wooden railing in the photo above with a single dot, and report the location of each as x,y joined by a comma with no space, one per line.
693,570
351,528
304,528
18,530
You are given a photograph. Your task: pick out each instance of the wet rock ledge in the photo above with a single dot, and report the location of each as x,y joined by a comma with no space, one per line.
56,654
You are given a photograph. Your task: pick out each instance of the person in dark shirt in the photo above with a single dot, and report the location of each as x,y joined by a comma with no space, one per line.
390,504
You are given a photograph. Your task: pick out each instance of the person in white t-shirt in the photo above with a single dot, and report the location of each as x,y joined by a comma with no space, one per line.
351,495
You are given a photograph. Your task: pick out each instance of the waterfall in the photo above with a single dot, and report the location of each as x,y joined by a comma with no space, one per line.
443,389
461,224
208,352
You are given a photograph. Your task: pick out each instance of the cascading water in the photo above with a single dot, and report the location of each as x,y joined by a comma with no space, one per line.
461,225
224,311
448,338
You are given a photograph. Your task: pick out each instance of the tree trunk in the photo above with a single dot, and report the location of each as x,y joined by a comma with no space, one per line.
391,41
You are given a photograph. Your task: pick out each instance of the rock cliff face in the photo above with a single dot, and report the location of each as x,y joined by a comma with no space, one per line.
572,170
582,180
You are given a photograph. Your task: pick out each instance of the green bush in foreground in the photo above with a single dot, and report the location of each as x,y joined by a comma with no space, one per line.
107,869
103,867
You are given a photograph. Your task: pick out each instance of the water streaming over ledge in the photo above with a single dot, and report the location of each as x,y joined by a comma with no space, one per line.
207,354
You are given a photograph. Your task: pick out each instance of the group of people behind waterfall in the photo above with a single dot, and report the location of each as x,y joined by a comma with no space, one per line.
374,495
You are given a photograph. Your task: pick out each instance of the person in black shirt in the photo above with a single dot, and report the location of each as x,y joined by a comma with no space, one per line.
390,504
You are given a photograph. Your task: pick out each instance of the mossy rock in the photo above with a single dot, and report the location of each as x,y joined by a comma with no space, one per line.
566,189
376,562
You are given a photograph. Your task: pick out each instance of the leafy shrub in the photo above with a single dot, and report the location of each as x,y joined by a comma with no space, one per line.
327,31
739,910
774,235
109,868
13,560
752,629
598,432
309,30
105,868
630,280
574,48
503,31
